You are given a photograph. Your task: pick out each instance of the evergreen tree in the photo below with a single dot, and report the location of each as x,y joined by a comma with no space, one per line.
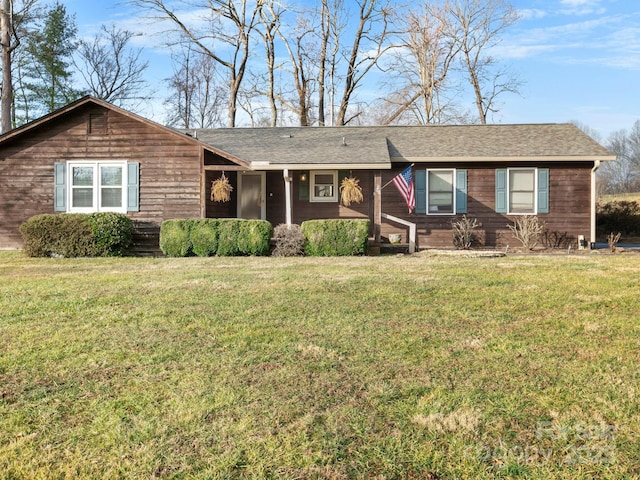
48,70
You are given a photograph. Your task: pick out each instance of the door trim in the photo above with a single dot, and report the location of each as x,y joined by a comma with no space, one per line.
263,193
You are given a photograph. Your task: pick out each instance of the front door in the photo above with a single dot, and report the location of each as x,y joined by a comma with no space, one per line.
252,198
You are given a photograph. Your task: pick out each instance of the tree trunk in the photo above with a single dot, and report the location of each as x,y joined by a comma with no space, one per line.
324,22
7,81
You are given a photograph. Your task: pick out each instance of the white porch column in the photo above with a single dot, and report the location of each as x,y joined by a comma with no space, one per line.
287,195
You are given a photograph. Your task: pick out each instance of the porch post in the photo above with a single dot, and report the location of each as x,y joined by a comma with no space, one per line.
594,197
287,195
377,205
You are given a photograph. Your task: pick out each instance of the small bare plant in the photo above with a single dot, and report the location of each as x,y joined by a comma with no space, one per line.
555,239
464,232
528,230
289,241
613,240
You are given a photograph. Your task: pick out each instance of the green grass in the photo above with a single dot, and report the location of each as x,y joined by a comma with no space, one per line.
387,367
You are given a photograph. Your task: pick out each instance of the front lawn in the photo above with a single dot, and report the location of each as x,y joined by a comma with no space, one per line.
368,367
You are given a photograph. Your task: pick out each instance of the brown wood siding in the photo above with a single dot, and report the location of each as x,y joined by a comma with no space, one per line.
221,209
169,170
306,210
569,205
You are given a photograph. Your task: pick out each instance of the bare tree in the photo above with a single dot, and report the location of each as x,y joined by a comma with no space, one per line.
270,15
112,72
331,26
300,67
477,26
10,22
423,59
196,99
622,175
369,44
229,25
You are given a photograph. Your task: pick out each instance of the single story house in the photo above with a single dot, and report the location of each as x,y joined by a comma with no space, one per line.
92,156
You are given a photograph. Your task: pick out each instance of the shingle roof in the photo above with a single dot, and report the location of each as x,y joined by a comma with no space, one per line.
301,146
370,147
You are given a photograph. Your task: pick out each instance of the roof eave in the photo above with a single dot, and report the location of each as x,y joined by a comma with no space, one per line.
320,166
497,159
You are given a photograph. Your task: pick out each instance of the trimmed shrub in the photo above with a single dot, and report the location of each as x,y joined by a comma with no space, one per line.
228,232
112,233
289,241
209,236
254,236
333,237
77,235
618,216
204,236
39,233
175,238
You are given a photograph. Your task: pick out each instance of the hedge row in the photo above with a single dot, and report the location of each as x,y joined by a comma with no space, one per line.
212,236
336,237
77,235
618,216
229,236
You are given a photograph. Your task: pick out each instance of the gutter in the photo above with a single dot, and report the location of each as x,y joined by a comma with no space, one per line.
593,201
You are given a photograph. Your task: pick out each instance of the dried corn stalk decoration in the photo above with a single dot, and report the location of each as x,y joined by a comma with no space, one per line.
350,191
221,189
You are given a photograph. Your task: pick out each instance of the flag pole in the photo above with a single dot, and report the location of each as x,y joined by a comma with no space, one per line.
386,184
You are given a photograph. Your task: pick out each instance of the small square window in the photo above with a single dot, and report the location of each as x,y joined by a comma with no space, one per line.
324,186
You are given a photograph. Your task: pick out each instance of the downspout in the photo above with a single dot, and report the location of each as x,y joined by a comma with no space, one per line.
287,195
593,201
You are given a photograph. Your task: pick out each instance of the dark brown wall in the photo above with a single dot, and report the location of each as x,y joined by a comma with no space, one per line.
569,201
569,205
169,168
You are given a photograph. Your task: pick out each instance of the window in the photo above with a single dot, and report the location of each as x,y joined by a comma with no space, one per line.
441,191
324,186
97,187
522,190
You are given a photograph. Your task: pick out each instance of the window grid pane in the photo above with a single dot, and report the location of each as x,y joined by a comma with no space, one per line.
323,191
111,176
82,176
111,197
82,198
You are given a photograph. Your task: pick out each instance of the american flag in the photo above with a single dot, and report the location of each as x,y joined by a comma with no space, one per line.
404,183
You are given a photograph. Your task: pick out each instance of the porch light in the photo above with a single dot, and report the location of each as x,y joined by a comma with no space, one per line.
303,177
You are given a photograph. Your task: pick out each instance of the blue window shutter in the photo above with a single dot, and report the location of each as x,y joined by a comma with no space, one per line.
421,190
60,187
543,190
461,191
501,190
133,187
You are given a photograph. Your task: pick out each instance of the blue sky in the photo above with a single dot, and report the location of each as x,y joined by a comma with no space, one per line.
579,59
